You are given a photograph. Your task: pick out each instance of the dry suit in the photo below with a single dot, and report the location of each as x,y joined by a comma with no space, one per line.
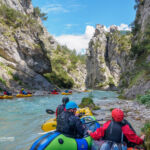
70,125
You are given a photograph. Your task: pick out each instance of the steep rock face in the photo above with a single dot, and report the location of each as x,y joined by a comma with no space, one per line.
138,82
79,76
143,14
97,71
106,58
24,49
24,6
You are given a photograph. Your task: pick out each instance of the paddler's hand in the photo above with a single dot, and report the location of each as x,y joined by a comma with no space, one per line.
89,132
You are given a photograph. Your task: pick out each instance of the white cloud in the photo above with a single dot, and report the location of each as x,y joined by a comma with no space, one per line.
78,42
124,27
54,8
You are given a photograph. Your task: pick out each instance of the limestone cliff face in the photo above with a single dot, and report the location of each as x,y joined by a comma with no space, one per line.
97,71
138,82
25,47
24,6
106,58
79,76
143,14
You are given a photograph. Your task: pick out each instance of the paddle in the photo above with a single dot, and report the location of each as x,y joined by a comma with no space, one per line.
49,111
93,121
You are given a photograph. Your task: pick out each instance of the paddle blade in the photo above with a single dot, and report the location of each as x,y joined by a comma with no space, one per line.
49,111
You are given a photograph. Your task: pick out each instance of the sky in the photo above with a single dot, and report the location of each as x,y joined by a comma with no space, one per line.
72,22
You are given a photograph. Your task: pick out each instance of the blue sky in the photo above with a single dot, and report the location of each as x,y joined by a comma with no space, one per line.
72,17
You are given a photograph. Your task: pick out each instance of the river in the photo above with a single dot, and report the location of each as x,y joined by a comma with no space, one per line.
21,118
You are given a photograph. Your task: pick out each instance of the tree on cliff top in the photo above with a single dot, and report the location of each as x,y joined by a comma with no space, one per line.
37,13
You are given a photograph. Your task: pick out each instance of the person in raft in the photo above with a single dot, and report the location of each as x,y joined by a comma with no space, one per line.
66,91
55,90
61,107
23,92
68,123
7,93
118,130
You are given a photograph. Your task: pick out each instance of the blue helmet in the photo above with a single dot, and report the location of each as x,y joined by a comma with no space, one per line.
71,105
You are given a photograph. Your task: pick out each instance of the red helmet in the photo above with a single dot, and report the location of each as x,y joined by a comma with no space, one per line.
117,115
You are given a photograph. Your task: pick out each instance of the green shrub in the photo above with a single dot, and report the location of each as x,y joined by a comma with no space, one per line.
146,131
60,60
11,17
62,80
102,70
102,84
16,77
37,13
2,81
73,59
140,47
110,80
88,102
144,99
121,97
10,73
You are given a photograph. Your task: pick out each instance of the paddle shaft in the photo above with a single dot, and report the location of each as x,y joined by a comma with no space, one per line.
93,121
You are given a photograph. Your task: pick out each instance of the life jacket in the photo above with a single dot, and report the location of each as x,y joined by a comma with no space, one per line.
114,132
66,124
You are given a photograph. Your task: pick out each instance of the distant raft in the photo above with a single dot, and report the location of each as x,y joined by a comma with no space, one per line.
6,97
63,93
51,124
87,91
22,95
57,141
55,93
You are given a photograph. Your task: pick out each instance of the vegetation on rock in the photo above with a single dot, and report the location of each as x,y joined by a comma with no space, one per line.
37,13
144,99
146,131
64,61
88,102
11,17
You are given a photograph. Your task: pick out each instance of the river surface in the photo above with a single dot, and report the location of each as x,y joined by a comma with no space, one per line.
21,118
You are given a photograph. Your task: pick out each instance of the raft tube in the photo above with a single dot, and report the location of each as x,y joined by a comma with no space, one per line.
51,124
63,93
22,95
87,91
6,97
56,141
54,93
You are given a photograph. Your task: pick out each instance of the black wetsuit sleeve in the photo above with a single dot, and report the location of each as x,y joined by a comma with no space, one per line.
80,127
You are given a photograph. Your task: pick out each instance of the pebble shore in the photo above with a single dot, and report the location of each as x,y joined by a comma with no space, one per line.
135,113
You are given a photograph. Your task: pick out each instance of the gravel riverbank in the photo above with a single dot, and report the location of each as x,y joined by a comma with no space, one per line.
135,113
